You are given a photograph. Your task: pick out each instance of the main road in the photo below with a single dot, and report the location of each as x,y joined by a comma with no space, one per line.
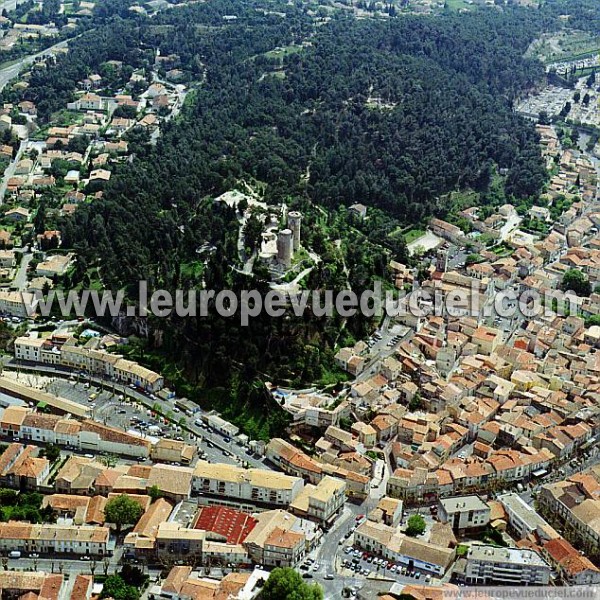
11,71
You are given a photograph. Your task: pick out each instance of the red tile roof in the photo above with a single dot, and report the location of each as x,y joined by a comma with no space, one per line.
231,524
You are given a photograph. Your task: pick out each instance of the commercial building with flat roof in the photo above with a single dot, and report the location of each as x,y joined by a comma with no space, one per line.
491,565
524,520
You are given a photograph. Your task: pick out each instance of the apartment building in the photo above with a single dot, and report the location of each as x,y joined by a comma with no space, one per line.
17,304
29,349
524,520
284,548
464,513
253,485
321,503
491,565
97,362
84,540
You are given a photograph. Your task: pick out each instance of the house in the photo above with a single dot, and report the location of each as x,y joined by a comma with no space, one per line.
17,214
569,563
5,123
27,107
100,175
172,451
55,265
88,101
7,259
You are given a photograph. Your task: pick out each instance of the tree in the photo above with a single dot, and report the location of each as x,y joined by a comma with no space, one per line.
565,110
51,452
591,79
576,281
286,583
416,402
122,510
544,118
109,460
416,526
155,493
115,587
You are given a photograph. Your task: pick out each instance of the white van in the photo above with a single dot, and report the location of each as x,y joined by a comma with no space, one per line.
14,554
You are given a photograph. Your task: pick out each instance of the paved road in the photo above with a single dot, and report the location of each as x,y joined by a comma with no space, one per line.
20,281
62,564
10,170
214,452
10,72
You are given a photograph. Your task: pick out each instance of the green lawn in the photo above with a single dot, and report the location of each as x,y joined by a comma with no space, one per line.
413,234
457,4
281,53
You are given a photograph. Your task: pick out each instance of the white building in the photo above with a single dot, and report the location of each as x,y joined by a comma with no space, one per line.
489,565
464,513
29,348
17,304
83,540
252,485
524,519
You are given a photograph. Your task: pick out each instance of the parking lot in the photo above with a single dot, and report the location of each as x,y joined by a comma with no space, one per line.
359,562
113,408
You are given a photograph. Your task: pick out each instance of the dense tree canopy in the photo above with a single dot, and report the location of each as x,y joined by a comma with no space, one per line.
123,510
394,114
287,584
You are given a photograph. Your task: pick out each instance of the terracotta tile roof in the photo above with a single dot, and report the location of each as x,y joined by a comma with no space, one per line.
280,538
231,524
81,587
95,512
65,502
157,513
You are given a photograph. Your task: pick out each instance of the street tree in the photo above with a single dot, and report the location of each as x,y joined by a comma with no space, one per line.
287,583
116,587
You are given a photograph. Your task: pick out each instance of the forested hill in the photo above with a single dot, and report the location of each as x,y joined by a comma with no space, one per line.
390,113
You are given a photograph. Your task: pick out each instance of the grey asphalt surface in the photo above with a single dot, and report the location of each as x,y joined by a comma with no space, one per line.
108,408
